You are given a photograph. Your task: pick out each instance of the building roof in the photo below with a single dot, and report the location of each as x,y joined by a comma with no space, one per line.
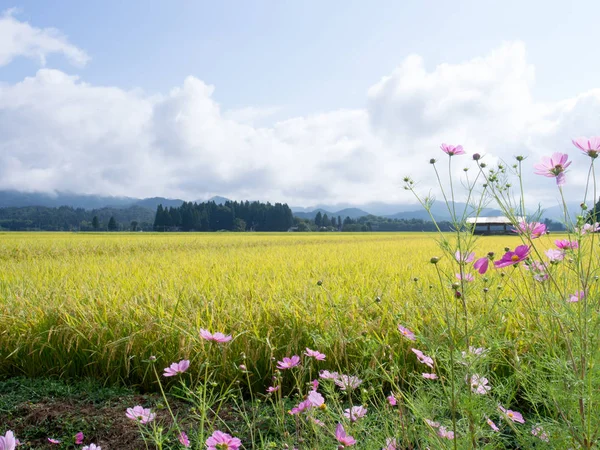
492,220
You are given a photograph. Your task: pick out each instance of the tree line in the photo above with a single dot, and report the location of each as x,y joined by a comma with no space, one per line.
230,216
209,216
66,218
322,222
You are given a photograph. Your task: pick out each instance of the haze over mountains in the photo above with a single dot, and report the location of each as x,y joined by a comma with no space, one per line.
394,211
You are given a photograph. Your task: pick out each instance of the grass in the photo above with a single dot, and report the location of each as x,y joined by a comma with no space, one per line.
79,305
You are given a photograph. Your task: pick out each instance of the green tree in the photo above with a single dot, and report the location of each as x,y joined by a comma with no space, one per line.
158,219
134,225
594,214
319,219
95,223
302,226
325,222
239,224
112,224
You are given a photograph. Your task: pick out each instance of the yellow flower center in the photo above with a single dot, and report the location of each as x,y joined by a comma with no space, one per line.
514,258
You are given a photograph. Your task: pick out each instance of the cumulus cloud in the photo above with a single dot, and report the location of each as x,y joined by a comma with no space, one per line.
252,115
61,133
21,39
493,92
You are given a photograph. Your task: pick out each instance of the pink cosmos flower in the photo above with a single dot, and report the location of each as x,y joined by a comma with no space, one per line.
184,440
315,384
538,269
541,276
272,389
533,229
512,415
573,298
177,368
423,359
481,265
555,255
222,441
327,375
53,441
588,228
565,244
79,438
392,400
473,352
315,354
316,399
92,447
8,441
511,258
468,277
429,376
347,382
444,433
590,146
432,424
140,414
288,363
492,425
390,444
216,337
464,258
344,439
302,406
355,413
452,150
316,421
554,167
406,333
540,433
477,351
479,385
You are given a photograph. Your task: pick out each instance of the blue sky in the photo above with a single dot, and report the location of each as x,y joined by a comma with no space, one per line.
253,92
311,55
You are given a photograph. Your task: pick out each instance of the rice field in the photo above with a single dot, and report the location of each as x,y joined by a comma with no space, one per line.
429,348
99,305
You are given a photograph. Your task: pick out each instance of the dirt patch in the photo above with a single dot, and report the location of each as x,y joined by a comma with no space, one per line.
105,425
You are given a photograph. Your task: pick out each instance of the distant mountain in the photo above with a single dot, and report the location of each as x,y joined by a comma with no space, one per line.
19,199
375,208
219,200
312,214
152,203
353,213
556,213
421,214
11,198
396,211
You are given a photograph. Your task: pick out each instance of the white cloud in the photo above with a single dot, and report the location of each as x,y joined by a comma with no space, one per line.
251,115
21,39
60,133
